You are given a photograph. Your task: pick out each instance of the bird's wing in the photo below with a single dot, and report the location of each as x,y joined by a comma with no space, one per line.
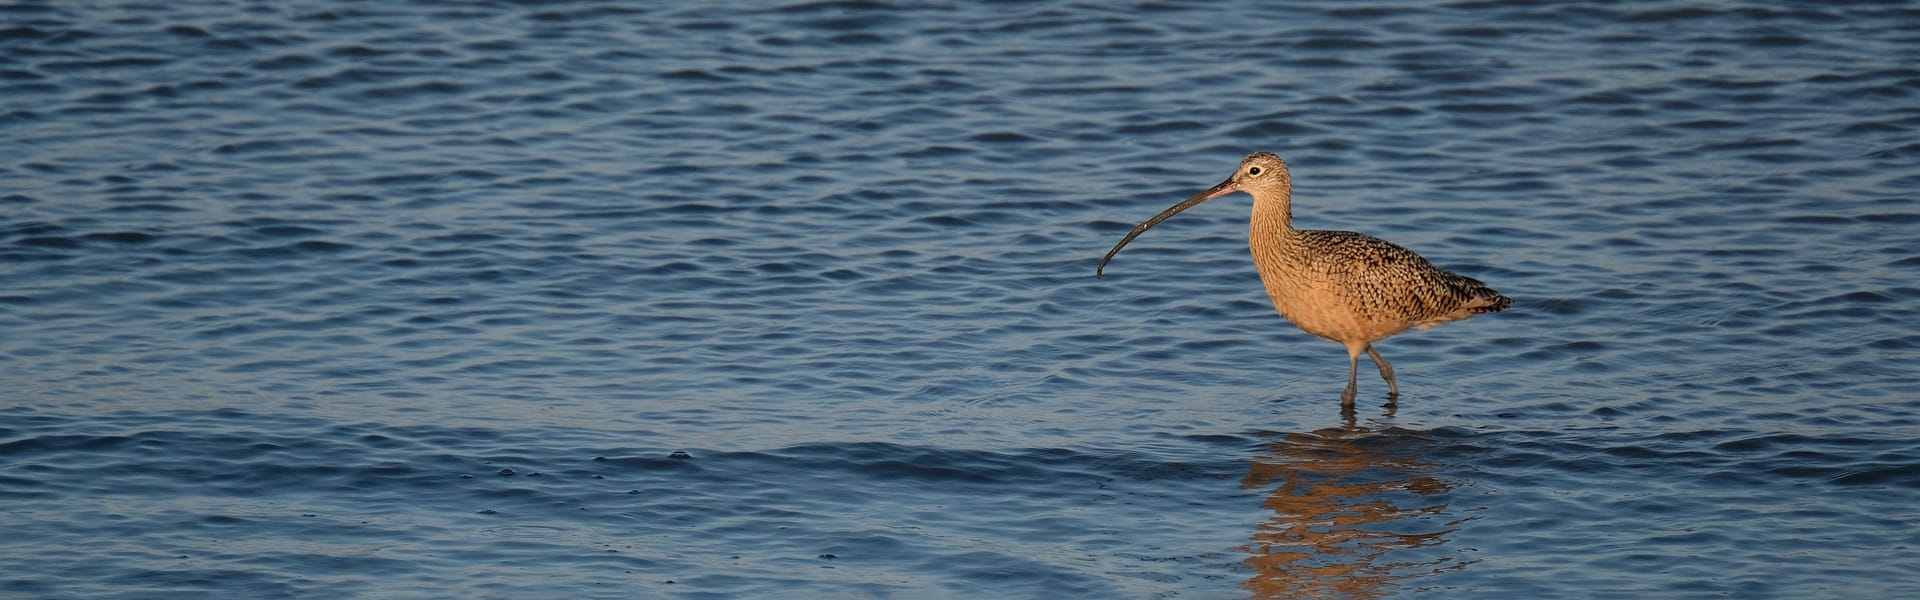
1385,277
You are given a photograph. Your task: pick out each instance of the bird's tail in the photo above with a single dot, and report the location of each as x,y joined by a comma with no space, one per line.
1482,299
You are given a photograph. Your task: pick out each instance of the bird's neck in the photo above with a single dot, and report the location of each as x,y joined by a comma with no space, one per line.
1276,247
1272,221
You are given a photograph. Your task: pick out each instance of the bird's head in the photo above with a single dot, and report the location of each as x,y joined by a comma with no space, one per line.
1260,174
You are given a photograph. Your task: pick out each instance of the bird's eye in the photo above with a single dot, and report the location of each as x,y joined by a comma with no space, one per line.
1255,171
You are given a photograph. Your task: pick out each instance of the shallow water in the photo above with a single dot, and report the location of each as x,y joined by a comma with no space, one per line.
583,299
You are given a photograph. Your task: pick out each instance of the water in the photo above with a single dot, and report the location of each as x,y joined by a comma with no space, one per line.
797,300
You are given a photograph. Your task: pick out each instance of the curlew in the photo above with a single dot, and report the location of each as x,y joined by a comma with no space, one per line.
1339,285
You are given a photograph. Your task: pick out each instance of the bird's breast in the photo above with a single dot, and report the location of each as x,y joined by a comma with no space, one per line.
1328,305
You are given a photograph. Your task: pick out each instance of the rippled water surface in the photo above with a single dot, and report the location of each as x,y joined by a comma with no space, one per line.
710,300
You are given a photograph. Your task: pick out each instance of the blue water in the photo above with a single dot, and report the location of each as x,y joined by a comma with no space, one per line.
711,300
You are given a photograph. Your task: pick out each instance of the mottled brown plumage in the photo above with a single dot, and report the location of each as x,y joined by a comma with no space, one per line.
1339,285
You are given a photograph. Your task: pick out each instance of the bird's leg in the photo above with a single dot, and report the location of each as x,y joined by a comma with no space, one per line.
1353,369
1386,371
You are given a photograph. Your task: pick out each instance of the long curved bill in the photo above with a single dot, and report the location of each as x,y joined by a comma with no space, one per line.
1225,187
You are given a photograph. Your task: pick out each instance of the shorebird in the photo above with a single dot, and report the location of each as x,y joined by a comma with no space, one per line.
1339,285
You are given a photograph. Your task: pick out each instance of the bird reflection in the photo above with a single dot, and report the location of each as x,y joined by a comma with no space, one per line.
1356,513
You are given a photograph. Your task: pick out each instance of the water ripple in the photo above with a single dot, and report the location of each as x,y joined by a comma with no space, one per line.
286,292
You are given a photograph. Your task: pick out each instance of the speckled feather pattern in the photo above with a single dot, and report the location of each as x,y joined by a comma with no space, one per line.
1343,286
